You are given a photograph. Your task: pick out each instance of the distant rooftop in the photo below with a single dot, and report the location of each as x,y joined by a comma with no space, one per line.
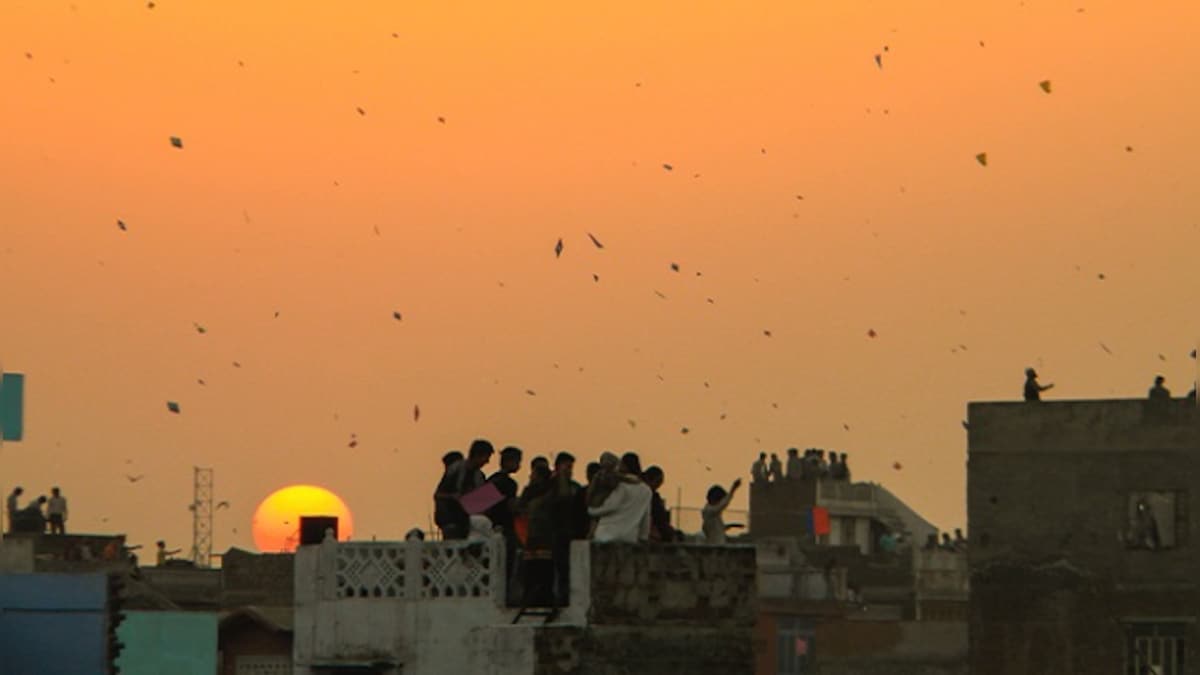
1113,425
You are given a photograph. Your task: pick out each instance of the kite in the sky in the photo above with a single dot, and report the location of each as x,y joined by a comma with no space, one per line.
173,407
121,224
558,248
674,267
177,142
981,158
879,60
1045,85
668,167
871,333
416,413
397,316
595,240
361,111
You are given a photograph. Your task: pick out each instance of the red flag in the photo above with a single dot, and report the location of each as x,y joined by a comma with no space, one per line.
801,646
818,520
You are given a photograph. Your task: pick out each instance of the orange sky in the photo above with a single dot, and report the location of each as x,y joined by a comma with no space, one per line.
272,203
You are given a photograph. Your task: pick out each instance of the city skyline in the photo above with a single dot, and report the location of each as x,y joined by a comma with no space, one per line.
775,232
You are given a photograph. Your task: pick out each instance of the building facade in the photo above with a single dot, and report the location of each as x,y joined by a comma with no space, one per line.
439,607
1083,552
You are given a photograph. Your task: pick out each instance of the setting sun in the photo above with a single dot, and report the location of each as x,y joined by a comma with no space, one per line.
276,521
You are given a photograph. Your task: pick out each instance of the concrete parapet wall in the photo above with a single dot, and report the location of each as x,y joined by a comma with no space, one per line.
678,583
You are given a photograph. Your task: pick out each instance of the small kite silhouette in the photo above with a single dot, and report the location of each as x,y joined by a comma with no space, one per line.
558,248
172,406
177,142
121,224
397,316
668,167
134,479
871,333
981,158
1045,85
595,241
416,413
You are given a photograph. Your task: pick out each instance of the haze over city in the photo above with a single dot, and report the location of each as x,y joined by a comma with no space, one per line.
361,216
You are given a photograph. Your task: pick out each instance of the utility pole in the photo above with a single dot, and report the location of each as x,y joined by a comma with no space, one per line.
202,516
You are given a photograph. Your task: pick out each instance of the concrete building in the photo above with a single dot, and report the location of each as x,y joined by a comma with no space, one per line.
179,643
1083,555
837,604
439,607
53,623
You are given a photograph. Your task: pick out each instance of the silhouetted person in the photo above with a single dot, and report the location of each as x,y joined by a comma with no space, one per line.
931,542
1192,393
56,512
502,514
960,542
441,508
835,467
461,479
580,504
10,505
163,555
537,564
822,465
759,470
795,467
776,470
536,462
624,515
713,512
660,516
844,468
1033,390
947,542
631,464
1158,392
565,523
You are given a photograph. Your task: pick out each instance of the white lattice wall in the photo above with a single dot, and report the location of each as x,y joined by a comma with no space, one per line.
417,570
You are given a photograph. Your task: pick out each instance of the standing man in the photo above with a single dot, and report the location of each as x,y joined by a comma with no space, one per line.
1033,390
56,511
712,513
460,479
1158,392
565,523
758,470
10,505
503,513
776,470
660,516
795,467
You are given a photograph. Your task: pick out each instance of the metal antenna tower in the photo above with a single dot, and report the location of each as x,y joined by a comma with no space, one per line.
202,516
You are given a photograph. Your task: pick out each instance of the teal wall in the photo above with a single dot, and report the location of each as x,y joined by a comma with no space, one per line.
179,643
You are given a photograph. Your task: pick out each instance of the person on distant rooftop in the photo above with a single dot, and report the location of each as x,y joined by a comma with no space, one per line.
822,465
1192,393
776,470
758,470
56,512
163,554
947,542
660,517
795,467
960,542
1158,392
1033,390
843,473
10,504
459,480
712,513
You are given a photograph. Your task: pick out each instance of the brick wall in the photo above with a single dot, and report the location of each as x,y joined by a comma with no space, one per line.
655,650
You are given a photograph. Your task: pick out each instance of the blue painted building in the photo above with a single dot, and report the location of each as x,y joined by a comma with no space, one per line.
53,623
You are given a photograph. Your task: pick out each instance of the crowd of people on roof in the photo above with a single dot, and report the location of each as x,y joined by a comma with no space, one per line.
812,465
619,502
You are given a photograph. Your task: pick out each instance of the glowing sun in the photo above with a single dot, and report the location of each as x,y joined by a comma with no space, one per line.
276,521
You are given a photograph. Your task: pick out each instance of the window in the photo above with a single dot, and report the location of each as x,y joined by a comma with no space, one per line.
1155,648
794,647
1156,520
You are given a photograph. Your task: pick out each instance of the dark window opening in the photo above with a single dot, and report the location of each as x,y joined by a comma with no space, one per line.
1156,520
1155,648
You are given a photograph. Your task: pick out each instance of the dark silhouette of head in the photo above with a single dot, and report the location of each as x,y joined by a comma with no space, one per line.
54,491
564,460
593,468
631,464
451,458
793,452
510,459
18,491
480,453
539,461
715,494
654,477
1158,381
1030,373
762,456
